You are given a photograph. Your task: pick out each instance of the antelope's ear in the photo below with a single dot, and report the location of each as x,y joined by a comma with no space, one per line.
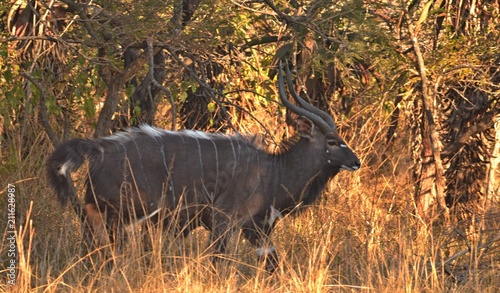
305,127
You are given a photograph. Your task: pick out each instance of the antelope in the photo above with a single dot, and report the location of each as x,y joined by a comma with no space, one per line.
222,182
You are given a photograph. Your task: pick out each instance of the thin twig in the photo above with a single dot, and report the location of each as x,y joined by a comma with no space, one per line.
43,108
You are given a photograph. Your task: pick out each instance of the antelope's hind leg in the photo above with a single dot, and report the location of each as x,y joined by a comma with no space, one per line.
96,226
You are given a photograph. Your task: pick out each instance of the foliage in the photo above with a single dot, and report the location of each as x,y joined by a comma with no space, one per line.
84,68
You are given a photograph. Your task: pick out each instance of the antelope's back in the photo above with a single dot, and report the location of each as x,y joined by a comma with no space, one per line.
149,167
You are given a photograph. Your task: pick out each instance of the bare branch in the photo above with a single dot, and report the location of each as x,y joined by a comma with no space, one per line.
167,92
86,22
452,148
43,109
207,87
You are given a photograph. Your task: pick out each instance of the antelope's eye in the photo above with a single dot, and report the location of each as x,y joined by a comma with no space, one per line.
332,142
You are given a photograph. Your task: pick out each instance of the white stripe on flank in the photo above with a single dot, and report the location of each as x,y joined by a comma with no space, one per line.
161,145
216,166
140,163
234,156
248,158
101,150
258,172
201,157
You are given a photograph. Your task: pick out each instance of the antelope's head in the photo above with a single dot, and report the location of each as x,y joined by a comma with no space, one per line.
319,129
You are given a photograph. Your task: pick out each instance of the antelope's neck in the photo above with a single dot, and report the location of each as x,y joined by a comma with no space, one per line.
300,176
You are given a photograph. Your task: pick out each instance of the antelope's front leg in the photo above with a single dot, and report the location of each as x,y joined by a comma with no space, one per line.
220,232
259,238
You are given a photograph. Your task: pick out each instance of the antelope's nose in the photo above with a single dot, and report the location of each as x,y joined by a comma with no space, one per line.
356,165
353,166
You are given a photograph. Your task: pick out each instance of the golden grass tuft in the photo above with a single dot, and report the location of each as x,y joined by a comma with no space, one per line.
363,235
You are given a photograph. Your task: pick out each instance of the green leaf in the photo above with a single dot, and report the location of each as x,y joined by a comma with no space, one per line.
183,96
211,107
7,75
89,107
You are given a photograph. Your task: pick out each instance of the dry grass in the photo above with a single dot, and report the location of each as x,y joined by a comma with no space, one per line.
362,236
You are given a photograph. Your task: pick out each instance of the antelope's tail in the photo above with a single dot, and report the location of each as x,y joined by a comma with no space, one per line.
67,158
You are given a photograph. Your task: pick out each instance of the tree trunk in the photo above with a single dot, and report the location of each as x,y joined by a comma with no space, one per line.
145,93
493,189
104,122
430,139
